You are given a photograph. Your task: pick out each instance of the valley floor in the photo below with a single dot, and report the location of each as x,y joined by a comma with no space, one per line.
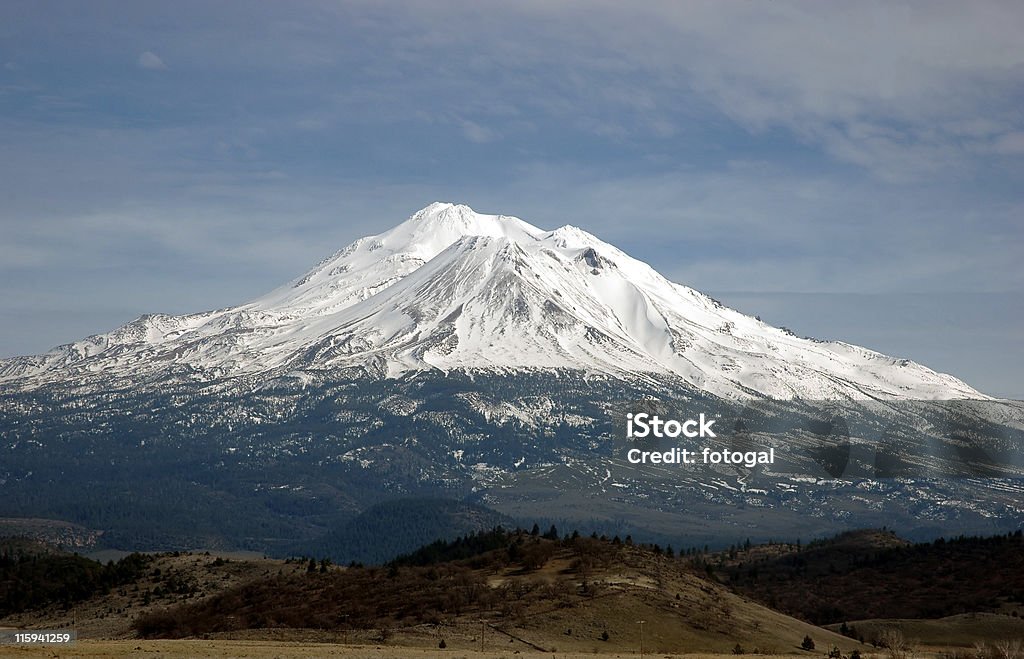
165,649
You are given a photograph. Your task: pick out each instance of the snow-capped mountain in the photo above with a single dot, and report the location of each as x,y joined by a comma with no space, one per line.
452,289
478,358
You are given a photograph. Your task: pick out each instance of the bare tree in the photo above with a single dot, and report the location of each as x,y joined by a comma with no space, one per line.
896,647
999,650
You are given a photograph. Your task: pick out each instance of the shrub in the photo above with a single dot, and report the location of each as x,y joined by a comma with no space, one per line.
892,641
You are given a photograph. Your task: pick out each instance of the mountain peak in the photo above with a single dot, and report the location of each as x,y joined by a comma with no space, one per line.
433,229
572,237
443,210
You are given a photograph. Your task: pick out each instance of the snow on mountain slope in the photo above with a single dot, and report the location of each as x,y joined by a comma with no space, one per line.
453,289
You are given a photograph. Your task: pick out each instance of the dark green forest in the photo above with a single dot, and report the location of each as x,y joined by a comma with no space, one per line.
33,580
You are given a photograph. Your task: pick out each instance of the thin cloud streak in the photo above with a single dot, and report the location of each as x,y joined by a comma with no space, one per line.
151,61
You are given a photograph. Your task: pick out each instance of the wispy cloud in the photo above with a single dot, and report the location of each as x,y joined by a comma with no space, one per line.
151,61
474,132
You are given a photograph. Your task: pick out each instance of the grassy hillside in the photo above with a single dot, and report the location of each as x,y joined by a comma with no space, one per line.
532,593
529,592
34,575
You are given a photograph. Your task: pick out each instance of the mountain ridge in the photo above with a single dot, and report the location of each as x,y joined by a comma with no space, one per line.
450,288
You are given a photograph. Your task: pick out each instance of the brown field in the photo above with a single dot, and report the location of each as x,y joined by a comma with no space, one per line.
960,631
284,650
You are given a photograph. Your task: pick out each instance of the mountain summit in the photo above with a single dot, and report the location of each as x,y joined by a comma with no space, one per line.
453,289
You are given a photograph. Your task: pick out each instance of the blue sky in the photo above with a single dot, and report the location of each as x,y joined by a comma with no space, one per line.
850,170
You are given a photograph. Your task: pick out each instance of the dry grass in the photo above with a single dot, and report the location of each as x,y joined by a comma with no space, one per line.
955,636
549,608
285,650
